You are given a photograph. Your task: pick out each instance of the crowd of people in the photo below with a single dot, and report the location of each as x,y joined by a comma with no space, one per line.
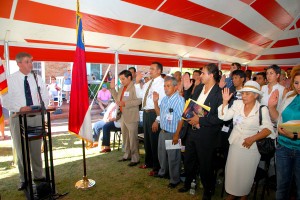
232,123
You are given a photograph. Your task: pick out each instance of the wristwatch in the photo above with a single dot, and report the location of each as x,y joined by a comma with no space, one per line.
295,136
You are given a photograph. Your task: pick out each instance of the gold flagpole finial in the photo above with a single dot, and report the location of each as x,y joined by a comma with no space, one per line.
77,6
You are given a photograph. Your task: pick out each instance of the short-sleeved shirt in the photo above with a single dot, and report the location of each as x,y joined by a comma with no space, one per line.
68,80
104,95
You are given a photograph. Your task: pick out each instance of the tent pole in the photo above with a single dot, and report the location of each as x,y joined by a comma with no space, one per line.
116,68
180,64
7,72
6,57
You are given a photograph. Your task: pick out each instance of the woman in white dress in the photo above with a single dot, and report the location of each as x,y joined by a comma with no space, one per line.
243,156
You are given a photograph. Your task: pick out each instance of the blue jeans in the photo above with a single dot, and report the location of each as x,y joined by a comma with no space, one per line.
106,133
287,166
96,129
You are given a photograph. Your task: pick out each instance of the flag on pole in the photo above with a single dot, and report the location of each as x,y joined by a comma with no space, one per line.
3,87
79,113
3,81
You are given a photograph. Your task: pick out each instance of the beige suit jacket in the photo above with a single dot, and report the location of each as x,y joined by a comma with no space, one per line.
131,109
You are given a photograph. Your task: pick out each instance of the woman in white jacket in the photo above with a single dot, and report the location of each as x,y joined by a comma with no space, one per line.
243,156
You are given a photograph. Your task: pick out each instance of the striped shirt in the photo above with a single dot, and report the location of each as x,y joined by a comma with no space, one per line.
171,106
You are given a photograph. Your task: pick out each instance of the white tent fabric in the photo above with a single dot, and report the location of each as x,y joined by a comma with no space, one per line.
252,32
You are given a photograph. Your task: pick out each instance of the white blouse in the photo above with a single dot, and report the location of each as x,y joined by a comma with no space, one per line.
266,95
245,126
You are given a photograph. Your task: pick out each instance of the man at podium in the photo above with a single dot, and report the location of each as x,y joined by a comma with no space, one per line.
22,96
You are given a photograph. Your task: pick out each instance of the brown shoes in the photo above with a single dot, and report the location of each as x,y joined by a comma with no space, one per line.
105,150
131,164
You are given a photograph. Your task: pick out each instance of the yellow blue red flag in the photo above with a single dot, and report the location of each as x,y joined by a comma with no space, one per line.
79,113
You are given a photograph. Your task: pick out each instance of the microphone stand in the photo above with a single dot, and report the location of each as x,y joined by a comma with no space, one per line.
53,195
43,108
44,133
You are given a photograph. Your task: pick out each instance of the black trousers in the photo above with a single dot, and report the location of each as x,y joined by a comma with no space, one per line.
198,158
150,141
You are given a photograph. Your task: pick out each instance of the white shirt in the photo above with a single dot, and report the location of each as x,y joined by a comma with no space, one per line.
202,97
266,95
112,107
245,126
14,99
157,86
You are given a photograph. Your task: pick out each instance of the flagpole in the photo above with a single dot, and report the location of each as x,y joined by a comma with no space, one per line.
85,183
101,83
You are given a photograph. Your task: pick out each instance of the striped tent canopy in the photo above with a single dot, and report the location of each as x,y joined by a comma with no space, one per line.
252,32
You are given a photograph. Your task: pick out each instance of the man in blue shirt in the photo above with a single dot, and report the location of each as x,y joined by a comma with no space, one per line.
170,112
228,81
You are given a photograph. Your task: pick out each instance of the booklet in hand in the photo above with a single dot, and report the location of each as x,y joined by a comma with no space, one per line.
191,107
292,126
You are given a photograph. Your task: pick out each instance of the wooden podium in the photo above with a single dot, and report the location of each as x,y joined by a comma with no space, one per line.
32,133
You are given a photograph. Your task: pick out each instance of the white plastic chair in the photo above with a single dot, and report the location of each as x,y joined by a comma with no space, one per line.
58,99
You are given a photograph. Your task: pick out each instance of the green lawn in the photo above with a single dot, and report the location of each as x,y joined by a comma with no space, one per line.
114,180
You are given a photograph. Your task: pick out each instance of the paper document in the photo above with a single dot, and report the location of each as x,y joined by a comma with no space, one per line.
169,145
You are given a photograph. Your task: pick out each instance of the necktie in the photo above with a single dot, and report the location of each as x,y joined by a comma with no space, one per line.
27,92
146,94
124,89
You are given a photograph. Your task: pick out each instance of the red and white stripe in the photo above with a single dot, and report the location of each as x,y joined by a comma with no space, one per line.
253,32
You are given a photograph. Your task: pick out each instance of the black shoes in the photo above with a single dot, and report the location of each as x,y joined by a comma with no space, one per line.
40,179
183,189
173,185
22,186
124,159
207,195
131,164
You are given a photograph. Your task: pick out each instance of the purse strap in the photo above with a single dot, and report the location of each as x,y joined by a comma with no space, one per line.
260,115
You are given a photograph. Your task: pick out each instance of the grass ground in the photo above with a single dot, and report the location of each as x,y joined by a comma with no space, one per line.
114,180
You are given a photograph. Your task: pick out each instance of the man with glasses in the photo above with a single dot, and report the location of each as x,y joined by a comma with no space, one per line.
22,94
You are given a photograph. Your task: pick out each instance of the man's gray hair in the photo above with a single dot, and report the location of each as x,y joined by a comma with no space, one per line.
21,55
174,81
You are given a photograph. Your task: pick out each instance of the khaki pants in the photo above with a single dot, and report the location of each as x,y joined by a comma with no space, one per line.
34,147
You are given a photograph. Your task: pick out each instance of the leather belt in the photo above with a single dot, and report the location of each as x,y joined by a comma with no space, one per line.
149,110
164,131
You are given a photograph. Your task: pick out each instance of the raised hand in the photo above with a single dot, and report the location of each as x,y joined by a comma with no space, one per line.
155,96
226,95
273,100
187,82
222,82
138,77
112,83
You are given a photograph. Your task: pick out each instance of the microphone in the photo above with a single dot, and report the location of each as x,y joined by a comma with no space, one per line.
33,73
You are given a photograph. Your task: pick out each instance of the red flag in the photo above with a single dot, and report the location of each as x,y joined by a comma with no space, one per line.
79,113
3,81
3,87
